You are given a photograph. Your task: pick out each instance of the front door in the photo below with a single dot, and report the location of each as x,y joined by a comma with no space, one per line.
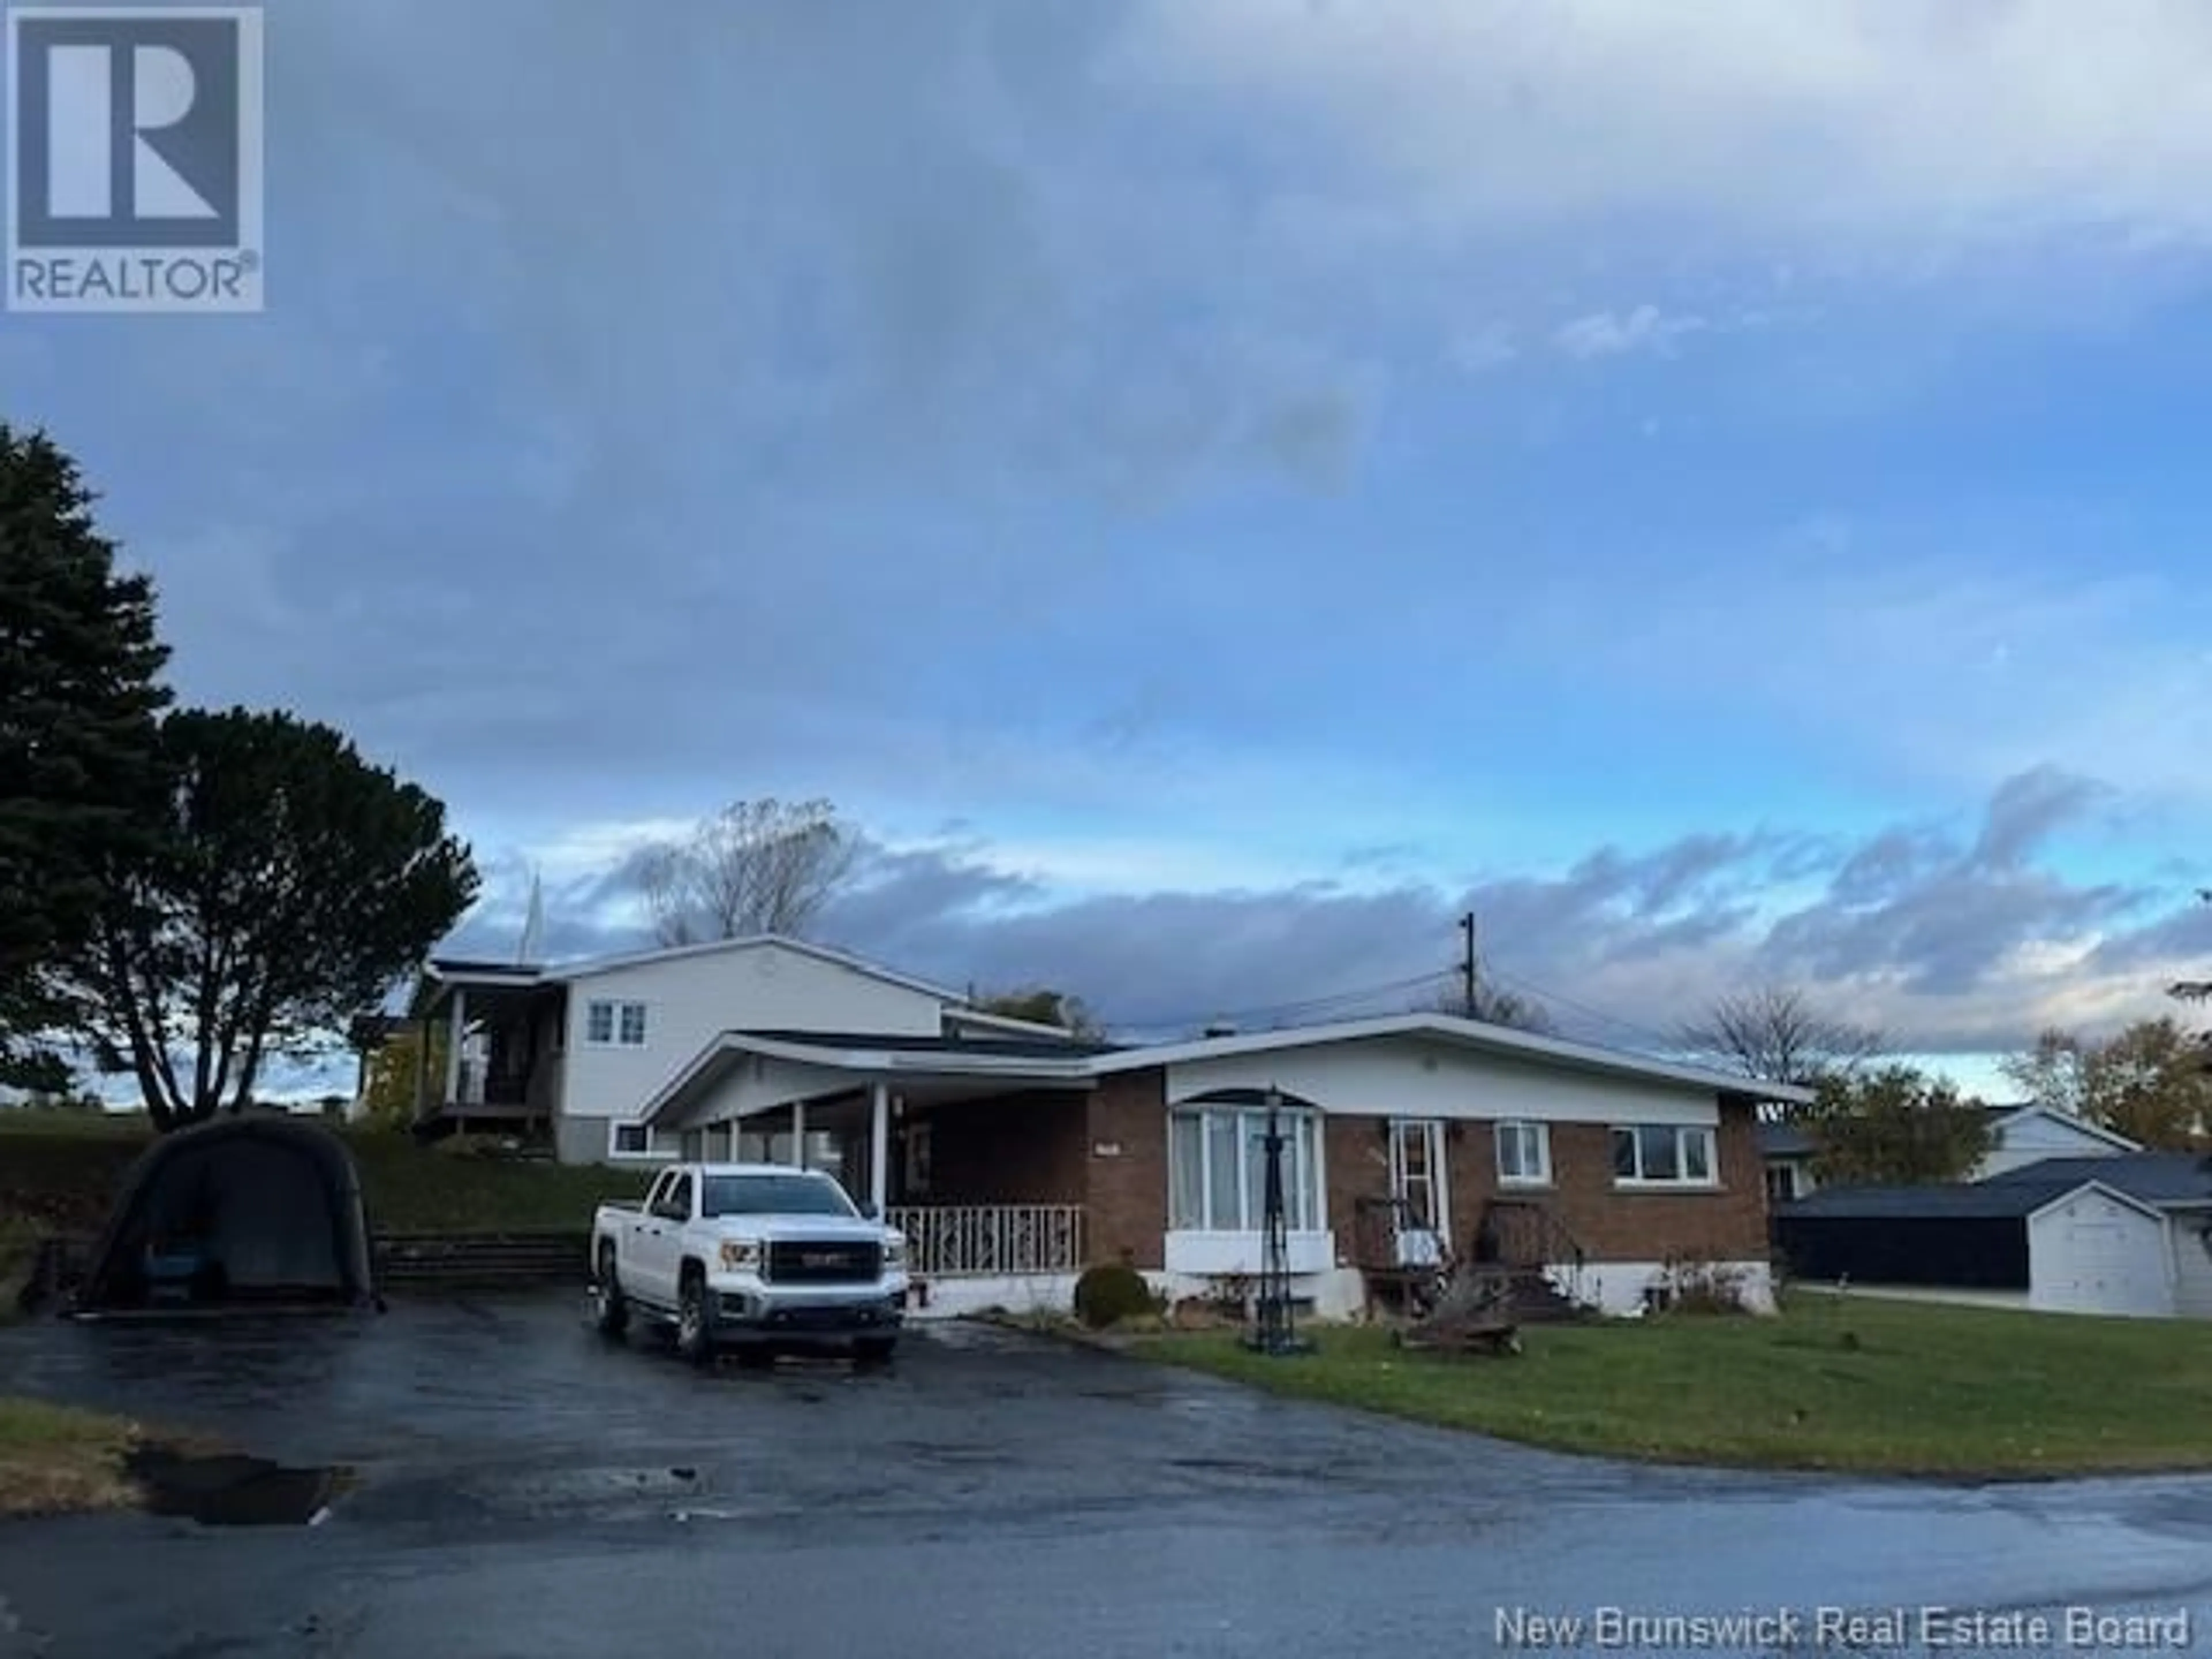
1423,1195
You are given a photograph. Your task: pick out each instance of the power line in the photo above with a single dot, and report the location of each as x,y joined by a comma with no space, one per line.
1582,1008
1309,1005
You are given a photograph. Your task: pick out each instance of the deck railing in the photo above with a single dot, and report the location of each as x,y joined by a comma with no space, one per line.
946,1241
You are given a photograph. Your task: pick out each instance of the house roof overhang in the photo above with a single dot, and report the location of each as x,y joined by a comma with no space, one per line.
1476,1034
863,1059
829,1064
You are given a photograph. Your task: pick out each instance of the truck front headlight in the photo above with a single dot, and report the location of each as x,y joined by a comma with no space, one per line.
894,1252
737,1254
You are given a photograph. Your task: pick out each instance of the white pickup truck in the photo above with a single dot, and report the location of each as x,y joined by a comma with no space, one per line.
751,1257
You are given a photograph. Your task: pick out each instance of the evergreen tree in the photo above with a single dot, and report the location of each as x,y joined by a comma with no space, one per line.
80,691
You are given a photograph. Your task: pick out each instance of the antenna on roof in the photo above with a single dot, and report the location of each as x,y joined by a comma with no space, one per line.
534,924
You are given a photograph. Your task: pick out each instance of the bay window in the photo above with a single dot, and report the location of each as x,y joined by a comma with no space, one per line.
1218,1169
1663,1155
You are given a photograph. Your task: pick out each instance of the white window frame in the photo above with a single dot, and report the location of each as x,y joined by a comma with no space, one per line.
1305,1203
615,1154
1426,1136
619,1010
1681,1132
1518,1129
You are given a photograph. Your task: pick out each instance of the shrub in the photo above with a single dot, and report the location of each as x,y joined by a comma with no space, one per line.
1691,1284
482,1146
1106,1295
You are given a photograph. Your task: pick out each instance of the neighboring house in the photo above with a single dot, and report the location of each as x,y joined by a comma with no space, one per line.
1014,1154
2124,1233
2021,1133
2024,1133
1787,1151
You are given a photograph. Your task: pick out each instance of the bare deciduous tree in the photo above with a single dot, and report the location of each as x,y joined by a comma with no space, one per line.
1774,1035
1495,1006
757,867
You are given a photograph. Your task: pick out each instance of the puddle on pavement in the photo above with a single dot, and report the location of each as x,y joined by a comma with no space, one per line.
230,1489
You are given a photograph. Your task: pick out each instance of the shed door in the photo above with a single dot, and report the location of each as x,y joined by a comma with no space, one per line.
2092,1256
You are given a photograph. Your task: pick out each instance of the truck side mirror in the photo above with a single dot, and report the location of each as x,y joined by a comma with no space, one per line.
871,1210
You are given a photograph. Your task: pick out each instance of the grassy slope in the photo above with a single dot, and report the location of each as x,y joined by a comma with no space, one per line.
54,1459
61,1171
1896,1388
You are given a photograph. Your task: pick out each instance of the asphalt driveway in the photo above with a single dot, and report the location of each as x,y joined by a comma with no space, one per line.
525,1490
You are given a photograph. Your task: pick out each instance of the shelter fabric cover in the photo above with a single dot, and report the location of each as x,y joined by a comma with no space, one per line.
247,1211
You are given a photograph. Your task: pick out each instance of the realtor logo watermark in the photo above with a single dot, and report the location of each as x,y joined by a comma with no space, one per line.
134,158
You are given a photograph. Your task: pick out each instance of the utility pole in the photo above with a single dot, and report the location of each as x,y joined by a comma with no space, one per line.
1467,963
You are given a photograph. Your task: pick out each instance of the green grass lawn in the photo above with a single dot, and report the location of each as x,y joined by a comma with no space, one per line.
54,1459
59,1171
1863,1385
412,1188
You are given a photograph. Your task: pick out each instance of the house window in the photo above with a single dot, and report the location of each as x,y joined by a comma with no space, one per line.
630,1140
1217,1171
1663,1155
1524,1155
1781,1183
1417,1157
615,1024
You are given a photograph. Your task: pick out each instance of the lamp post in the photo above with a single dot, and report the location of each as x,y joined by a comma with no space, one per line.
1273,1331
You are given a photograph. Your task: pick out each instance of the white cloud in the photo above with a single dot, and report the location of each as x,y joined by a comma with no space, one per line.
1479,350
1610,334
1926,123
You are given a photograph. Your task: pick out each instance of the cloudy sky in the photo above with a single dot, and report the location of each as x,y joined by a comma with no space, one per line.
1214,488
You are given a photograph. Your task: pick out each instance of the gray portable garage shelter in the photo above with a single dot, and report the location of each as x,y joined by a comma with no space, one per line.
245,1212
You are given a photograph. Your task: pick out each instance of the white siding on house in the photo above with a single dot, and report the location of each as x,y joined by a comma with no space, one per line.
1414,1077
2034,1136
755,1084
691,999
2192,1262
2090,1252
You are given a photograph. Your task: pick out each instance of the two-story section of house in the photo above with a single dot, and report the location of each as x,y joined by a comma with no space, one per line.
574,1052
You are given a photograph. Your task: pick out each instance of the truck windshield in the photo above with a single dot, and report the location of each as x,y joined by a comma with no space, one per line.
756,1194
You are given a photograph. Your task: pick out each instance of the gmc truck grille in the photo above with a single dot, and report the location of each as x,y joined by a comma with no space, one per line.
836,1261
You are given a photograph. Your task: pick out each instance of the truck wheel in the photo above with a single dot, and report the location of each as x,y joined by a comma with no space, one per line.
610,1307
695,1319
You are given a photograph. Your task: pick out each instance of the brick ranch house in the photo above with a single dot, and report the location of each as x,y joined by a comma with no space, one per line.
1015,1154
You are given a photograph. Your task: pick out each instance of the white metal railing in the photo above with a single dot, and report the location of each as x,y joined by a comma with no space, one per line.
948,1240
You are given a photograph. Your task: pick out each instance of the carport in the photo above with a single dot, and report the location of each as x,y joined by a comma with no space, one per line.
975,1147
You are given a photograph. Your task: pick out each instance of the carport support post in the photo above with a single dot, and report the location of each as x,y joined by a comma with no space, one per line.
879,1146
798,1135
422,1067
453,1035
